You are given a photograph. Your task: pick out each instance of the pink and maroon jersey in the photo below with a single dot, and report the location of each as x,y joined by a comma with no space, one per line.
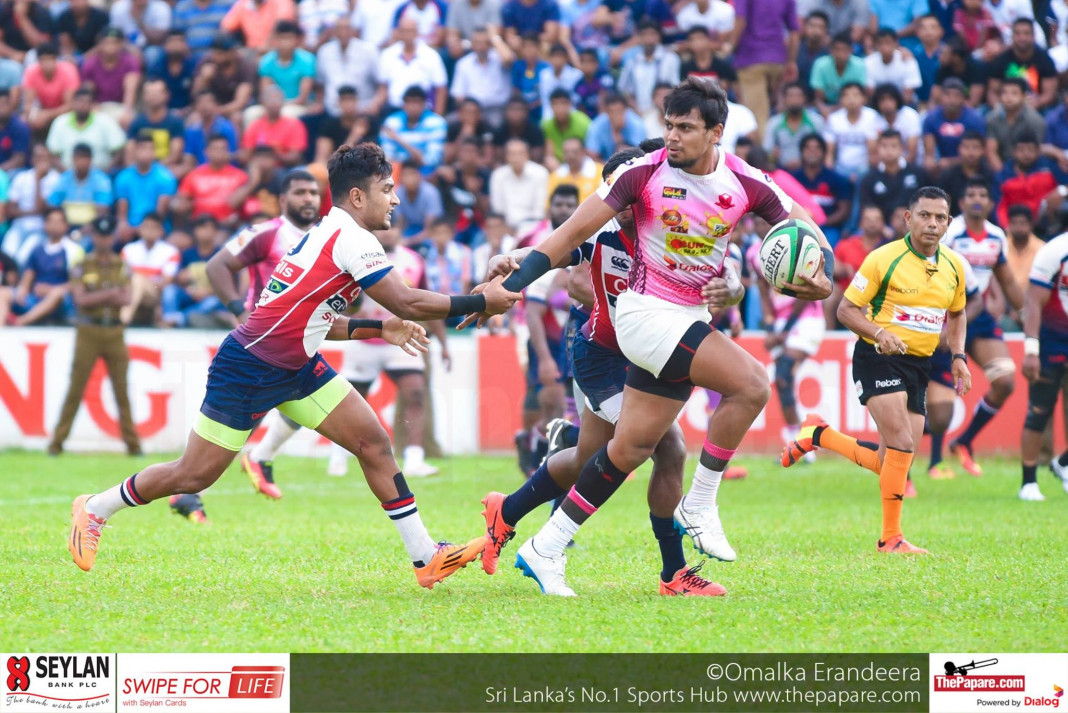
260,247
1050,270
314,283
610,254
411,266
684,222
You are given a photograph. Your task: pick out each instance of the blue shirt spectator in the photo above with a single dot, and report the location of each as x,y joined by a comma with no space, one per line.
141,190
600,139
529,17
196,136
1057,126
14,141
420,203
898,14
199,21
177,76
288,75
415,127
947,132
51,262
526,79
82,198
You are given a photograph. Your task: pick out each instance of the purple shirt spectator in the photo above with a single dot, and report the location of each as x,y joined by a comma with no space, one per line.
108,82
761,40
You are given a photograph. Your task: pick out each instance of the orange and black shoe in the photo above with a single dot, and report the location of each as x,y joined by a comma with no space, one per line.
964,454
261,473
688,583
900,546
735,472
85,531
448,559
188,506
498,532
802,444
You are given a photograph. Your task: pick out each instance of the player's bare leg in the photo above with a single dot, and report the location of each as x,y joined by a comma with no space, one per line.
202,463
354,426
993,355
940,402
411,390
899,431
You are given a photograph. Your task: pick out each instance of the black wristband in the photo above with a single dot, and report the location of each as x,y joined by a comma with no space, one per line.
355,324
534,266
788,292
828,263
460,305
237,307
963,357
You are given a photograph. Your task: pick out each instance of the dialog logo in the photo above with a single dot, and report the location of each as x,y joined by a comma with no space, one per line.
212,683
58,682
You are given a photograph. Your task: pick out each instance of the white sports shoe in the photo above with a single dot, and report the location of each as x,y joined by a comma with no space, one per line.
338,465
419,470
1061,471
1031,492
809,457
548,572
703,526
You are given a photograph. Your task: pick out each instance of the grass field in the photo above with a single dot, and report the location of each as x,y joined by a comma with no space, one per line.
322,570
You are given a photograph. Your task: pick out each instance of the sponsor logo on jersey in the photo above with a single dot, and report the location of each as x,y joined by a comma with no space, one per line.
276,286
620,263
920,319
716,226
693,245
338,303
859,282
372,256
672,265
905,290
674,221
676,193
288,270
725,201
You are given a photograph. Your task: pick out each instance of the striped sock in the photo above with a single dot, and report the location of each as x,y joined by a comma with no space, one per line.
109,502
405,515
708,476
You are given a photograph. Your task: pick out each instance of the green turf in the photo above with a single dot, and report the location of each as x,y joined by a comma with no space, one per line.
323,570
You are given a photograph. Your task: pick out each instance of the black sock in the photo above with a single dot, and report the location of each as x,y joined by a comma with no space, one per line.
984,411
937,439
539,488
1030,474
670,541
816,436
1063,459
600,477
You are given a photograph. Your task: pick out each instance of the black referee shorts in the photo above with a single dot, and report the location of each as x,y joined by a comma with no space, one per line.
876,374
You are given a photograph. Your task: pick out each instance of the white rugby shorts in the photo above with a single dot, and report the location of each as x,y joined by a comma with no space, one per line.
649,329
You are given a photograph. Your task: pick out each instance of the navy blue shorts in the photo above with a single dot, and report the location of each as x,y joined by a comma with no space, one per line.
983,327
1053,352
600,372
559,356
242,389
576,320
941,371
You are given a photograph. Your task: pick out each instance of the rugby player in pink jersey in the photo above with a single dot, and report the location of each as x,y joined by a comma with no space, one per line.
600,371
272,360
686,200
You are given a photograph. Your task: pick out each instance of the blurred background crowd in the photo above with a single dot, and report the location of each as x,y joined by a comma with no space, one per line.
169,125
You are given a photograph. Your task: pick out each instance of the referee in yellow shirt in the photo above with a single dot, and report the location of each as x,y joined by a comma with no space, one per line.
898,303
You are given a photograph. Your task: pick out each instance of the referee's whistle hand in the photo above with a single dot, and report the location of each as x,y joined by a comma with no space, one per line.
962,377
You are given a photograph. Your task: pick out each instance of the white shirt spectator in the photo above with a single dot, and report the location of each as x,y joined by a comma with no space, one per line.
851,139
317,16
425,69
549,81
486,82
101,132
23,193
741,121
161,259
157,17
640,74
1058,10
354,65
717,17
1006,12
374,20
481,255
429,20
902,73
521,199
907,123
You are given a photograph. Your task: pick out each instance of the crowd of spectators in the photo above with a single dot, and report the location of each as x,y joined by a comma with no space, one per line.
177,119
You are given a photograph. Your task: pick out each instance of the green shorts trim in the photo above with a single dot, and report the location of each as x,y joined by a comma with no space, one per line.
312,410
220,434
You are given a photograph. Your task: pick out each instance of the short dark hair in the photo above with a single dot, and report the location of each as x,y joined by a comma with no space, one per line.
654,144
354,167
851,85
205,219
558,48
819,15
884,33
82,149
216,136
619,158
346,91
153,216
702,94
293,175
698,30
48,211
287,27
1018,82
978,182
887,90
589,52
411,164
817,138
174,33
83,91
647,24
1026,136
891,134
414,92
842,38
47,49
559,93
1023,21
5,93
972,135
931,192
611,97
1019,209
958,46
144,139
565,190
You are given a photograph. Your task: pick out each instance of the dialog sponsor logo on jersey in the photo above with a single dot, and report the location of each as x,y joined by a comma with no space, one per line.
859,283
676,193
920,319
204,683
58,682
682,267
969,682
690,244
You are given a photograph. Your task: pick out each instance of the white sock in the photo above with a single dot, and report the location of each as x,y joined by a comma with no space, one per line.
789,432
552,538
109,502
703,490
402,511
413,456
338,453
278,432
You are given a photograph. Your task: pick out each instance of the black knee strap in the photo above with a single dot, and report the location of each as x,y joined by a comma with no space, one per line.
678,365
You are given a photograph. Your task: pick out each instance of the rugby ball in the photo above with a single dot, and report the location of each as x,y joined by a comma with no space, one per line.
789,251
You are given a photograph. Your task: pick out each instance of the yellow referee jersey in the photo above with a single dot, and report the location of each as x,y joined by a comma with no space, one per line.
908,294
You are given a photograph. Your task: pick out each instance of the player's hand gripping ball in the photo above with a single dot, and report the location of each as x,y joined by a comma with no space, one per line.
790,252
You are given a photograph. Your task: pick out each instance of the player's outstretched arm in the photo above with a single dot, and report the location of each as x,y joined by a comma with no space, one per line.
422,305
506,263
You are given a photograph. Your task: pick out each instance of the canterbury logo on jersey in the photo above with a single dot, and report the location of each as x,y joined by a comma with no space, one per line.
620,263
921,319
